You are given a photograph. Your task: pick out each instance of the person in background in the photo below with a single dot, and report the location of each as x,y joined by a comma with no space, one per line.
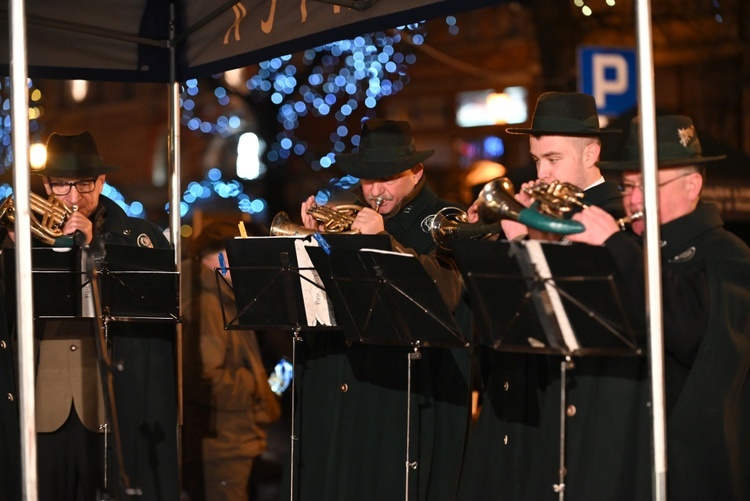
353,397
228,401
705,305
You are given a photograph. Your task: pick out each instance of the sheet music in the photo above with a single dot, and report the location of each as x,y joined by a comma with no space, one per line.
536,254
87,298
317,307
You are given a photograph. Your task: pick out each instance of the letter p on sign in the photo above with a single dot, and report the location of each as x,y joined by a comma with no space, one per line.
608,74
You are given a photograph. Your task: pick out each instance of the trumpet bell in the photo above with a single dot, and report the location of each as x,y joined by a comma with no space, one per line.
445,223
282,226
497,202
53,214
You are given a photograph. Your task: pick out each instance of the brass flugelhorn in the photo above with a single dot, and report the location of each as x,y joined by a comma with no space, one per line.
337,219
561,198
496,202
52,211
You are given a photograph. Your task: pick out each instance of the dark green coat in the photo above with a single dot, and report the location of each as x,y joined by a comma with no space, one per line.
10,436
353,404
514,450
706,296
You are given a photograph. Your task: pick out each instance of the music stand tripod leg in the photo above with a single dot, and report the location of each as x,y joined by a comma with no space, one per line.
565,365
293,437
410,465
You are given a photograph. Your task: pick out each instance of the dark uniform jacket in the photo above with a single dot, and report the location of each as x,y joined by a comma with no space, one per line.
10,437
353,431
514,451
706,272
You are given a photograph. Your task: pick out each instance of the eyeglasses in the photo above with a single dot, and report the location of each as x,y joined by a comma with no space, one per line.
83,186
628,188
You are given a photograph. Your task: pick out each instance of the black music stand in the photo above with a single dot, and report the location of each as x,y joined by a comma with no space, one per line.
268,282
387,298
558,299
129,284
58,271
138,284
116,284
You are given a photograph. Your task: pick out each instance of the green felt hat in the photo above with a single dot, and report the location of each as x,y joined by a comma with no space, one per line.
564,114
73,156
386,147
677,145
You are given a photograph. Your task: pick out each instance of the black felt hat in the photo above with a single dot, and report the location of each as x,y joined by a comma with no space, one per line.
564,114
73,156
386,148
677,145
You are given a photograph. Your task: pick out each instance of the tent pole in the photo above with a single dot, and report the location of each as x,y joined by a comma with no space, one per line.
646,105
174,210
24,289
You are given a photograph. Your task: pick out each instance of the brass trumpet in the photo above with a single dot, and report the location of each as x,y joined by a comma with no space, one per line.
624,221
496,202
336,219
52,211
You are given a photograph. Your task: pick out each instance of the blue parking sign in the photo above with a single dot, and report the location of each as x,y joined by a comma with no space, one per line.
608,74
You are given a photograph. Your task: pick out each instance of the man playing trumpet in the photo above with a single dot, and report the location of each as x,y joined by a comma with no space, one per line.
565,143
70,414
353,418
514,451
705,303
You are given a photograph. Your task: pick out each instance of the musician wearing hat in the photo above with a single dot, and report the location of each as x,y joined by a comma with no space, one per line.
70,415
565,143
514,451
705,305
354,398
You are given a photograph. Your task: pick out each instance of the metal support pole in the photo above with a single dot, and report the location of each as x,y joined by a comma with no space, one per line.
293,437
646,105
24,292
565,365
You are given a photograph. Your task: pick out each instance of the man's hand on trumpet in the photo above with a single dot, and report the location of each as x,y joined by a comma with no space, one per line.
308,221
368,222
599,224
78,222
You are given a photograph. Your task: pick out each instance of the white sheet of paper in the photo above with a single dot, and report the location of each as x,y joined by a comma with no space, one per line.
317,306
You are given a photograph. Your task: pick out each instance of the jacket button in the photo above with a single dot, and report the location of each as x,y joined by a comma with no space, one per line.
505,440
344,387
3,345
506,385
73,347
570,410
10,397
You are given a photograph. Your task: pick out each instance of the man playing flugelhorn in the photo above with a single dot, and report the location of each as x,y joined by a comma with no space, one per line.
70,410
353,417
515,448
564,141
